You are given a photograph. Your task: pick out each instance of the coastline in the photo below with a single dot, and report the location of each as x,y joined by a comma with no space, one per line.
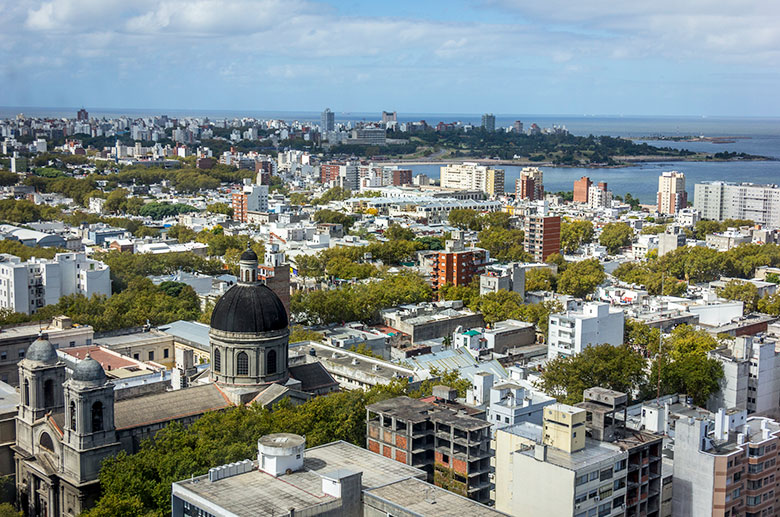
626,161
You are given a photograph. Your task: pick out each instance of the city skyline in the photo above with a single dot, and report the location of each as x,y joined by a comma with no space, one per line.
495,56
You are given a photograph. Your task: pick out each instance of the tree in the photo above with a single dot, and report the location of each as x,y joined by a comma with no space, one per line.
745,292
581,278
615,236
505,245
396,232
685,366
618,368
540,279
574,234
220,208
331,216
770,305
467,293
465,219
299,333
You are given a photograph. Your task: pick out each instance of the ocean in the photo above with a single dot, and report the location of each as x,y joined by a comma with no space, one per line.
760,136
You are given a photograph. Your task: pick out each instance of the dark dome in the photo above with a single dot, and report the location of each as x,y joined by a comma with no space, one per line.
42,351
89,370
249,255
249,308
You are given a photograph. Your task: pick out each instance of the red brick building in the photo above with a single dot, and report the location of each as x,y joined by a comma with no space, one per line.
542,236
329,172
458,267
581,187
453,448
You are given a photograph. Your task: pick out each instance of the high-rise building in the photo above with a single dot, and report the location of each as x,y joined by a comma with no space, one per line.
725,464
489,122
542,235
82,115
451,446
472,176
328,120
719,200
581,187
517,127
28,286
530,185
457,265
581,461
599,196
389,116
671,192
250,198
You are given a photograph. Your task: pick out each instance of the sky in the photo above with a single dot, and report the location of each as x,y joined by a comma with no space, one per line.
577,57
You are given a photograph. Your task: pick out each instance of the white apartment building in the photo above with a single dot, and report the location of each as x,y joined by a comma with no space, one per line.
473,176
27,286
571,332
751,368
599,196
553,469
671,192
719,200
507,403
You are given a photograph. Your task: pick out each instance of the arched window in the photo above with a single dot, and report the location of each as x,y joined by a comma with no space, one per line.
242,364
270,362
26,392
46,442
97,416
73,415
48,393
217,361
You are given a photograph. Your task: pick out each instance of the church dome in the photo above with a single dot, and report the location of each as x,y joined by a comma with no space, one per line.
250,308
89,370
249,256
42,351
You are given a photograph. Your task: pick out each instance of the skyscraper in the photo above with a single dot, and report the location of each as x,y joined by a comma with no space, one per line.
581,187
328,122
671,192
82,115
530,185
489,122
389,116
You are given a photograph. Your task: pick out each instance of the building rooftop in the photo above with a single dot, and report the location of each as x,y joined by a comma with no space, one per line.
257,493
414,410
422,498
191,333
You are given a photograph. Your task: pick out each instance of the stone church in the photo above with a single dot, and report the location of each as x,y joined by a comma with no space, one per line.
67,424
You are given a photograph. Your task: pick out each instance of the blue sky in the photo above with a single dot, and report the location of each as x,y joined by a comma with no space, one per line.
667,57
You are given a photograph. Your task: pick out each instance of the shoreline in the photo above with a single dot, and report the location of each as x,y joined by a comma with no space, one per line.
631,162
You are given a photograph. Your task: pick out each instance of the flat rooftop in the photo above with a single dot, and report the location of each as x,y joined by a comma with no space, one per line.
425,499
258,493
414,410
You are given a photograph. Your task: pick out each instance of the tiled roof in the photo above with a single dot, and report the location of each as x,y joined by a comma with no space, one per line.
168,406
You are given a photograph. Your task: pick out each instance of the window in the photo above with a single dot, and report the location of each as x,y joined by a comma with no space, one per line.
592,494
758,467
73,415
3,356
217,361
151,355
756,451
580,498
26,392
97,416
72,344
594,475
137,357
165,353
620,465
581,480
605,474
48,393
21,353
242,364
753,500
270,366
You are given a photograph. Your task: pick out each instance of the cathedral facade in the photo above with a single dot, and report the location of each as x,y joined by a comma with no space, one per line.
68,424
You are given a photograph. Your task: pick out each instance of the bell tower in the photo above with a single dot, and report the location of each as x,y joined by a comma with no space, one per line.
89,434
